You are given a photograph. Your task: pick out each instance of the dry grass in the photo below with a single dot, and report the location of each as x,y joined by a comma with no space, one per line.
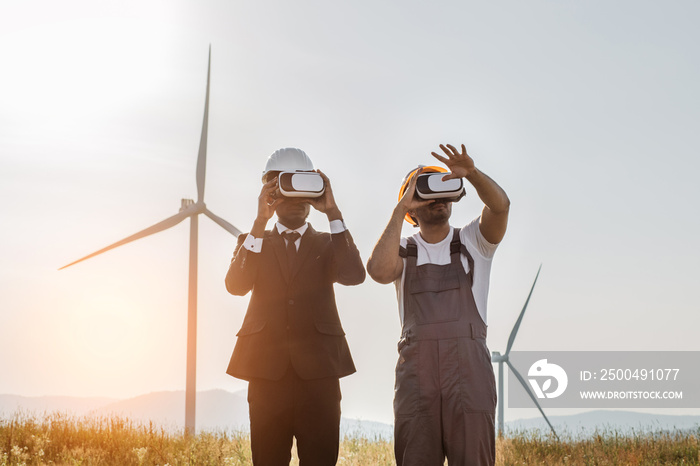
605,447
64,440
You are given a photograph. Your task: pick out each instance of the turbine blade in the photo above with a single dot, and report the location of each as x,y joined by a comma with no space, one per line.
222,223
160,226
529,392
202,157
513,332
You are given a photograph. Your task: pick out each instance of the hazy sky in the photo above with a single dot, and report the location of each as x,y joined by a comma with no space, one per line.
586,112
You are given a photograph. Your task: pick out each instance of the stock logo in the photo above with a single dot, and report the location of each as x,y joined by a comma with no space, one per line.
547,372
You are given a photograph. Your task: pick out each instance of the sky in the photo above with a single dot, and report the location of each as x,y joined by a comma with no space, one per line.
586,113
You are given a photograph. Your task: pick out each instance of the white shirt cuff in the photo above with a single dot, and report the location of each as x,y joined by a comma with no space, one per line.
253,244
337,226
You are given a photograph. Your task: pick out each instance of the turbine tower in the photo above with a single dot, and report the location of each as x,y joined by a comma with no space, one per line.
499,358
188,209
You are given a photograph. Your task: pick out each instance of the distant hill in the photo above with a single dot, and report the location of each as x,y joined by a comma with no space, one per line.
217,410
10,404
625,422
220,410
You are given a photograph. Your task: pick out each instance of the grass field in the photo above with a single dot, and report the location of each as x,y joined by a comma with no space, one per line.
63,440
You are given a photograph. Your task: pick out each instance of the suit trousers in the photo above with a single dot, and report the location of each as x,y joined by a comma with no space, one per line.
292,407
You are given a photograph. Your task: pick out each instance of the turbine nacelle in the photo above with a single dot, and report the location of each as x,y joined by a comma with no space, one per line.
192,207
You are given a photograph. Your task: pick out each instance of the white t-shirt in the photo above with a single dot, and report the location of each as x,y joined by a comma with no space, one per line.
439,253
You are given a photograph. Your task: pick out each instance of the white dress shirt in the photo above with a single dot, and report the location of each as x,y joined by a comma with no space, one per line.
254,244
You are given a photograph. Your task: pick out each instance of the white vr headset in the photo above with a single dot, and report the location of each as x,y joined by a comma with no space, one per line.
301,184
431,186
428,186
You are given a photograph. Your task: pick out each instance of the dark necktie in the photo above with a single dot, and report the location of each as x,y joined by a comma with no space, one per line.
291,237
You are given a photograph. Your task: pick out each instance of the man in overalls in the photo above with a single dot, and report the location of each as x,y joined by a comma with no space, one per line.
445,393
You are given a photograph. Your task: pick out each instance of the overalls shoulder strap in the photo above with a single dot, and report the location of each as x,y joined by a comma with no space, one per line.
456,247
410,252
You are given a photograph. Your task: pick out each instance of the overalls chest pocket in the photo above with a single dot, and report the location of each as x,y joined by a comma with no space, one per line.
435,299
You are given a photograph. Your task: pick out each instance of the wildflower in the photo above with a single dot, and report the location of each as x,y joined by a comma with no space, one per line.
20,454
140,453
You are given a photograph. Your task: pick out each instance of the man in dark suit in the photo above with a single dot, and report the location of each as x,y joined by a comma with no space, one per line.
291,347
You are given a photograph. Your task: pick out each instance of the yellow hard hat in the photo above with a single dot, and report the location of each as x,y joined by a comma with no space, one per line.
407,179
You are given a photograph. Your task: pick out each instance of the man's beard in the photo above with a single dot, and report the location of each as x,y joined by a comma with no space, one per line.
434,215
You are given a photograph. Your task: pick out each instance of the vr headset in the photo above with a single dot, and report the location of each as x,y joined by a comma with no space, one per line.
301,184
431,186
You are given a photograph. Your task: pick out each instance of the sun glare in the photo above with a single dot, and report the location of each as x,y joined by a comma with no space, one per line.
74,68
109,336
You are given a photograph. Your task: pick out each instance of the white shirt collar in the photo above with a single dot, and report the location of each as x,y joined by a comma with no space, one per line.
301,230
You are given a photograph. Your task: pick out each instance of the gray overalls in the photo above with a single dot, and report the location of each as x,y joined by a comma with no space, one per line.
445,393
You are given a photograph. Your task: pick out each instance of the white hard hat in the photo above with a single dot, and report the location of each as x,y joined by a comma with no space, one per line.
288,159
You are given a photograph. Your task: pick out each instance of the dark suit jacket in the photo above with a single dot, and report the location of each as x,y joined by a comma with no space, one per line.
292,317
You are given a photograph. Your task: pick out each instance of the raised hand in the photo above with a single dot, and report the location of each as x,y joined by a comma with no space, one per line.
459,163
269,198
409,201
326,202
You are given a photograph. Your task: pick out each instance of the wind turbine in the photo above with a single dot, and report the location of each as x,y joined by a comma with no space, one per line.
191,209
504,358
